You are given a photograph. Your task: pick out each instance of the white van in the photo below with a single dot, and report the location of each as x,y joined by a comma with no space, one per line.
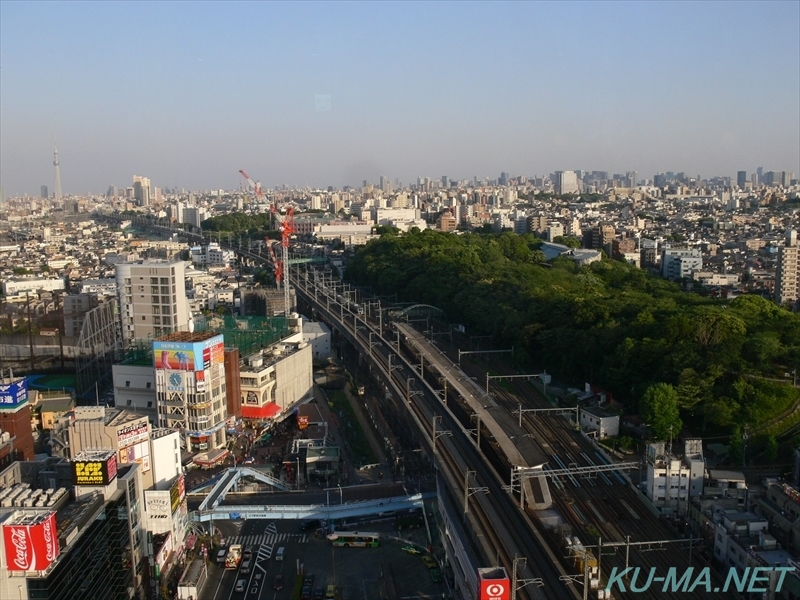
279,553
240,585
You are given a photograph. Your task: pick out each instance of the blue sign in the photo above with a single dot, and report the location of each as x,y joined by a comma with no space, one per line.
13,394
235,516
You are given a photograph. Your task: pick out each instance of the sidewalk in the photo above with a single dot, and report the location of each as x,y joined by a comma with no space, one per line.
366,426
334,431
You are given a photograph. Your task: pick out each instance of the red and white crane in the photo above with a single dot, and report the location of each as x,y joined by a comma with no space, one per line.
286,227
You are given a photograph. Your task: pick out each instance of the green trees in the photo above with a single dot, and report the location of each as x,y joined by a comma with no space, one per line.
608,322
659,409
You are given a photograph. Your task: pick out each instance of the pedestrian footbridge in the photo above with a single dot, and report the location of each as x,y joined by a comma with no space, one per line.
230,481
387,507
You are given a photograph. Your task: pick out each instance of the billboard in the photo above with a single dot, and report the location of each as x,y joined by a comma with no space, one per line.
200,381
94,471
156,503
130,434
31,547
495,589
177,493
189,356
493,584
13,394
137,453
302,422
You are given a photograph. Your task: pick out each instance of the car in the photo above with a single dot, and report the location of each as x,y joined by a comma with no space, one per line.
411,550
330,592
308,579
278,583
319,593
306,593
248,552
436,575
429,561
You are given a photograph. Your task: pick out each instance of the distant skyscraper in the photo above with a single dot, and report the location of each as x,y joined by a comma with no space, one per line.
566,182
141,190
44,192
58,174
444,181
632,176
741,178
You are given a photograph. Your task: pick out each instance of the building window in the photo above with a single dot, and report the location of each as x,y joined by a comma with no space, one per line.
129,402
149,383
127,384
149,404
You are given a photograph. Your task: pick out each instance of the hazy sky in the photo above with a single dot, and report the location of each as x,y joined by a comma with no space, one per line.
332,94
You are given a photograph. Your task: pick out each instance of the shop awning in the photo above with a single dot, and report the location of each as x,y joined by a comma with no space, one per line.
267,411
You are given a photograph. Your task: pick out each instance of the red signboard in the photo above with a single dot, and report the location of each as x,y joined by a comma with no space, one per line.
302,422
495,589
31,547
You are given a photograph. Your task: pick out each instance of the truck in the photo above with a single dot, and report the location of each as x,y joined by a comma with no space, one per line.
234,556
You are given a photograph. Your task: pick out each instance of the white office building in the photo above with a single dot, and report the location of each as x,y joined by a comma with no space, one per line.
673,480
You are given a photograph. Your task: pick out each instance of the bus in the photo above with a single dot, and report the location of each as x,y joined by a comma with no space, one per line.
356,539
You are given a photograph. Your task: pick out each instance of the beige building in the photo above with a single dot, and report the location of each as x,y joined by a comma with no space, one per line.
274,380
152,299
127,434
787,273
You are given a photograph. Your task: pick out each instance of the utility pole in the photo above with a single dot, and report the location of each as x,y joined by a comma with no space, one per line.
28,307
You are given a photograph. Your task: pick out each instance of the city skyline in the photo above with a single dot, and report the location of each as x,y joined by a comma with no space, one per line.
321,95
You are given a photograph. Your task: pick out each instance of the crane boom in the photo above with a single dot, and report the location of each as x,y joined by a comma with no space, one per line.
286,227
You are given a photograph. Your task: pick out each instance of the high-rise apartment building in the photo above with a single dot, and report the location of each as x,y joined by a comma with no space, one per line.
566,182
152,299
190,387
44,192
787,273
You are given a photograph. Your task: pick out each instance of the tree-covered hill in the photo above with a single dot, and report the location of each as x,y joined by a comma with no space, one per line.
609,323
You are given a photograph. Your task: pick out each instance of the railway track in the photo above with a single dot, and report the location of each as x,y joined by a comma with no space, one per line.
507,530
603,508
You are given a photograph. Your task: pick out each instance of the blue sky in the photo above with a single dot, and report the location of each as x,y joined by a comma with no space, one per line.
189,93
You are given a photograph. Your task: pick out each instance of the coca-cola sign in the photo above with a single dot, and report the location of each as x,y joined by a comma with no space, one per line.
19,547
31,547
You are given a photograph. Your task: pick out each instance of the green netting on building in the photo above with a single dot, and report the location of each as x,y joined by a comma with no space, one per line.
248,334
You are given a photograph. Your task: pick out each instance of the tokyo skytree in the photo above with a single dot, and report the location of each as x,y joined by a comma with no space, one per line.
58,174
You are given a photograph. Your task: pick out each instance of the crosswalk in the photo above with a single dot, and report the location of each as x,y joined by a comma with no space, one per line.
269,539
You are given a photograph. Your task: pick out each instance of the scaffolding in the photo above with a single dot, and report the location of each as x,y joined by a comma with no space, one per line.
99,348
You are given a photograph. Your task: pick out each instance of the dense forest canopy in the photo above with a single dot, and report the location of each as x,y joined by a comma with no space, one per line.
609,323
250,226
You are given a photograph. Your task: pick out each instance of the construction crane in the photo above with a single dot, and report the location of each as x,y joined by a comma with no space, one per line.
286,227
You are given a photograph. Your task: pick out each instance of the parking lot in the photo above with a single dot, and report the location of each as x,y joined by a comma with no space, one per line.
356,572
